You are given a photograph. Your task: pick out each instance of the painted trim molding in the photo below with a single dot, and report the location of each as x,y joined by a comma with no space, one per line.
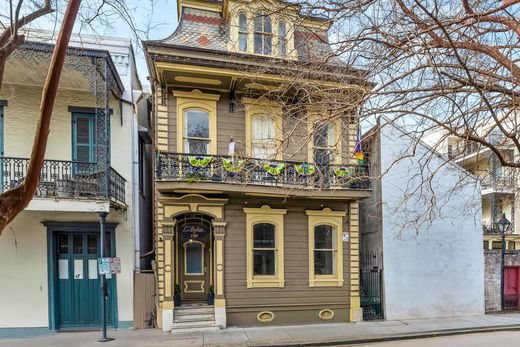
197,100
265,214
334,219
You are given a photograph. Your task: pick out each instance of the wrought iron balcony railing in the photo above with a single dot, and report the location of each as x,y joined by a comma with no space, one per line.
65,179
498,182
494,229
227,169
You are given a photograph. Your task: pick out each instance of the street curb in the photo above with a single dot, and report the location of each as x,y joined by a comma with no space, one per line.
409,336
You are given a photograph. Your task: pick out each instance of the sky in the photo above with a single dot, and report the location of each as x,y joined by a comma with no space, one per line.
153,19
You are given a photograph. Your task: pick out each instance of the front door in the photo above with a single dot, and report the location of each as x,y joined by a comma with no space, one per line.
194,261
78,284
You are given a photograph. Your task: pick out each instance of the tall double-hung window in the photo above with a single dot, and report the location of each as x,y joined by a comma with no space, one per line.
196,131
263,35
282,38
325,247
263,141
265,247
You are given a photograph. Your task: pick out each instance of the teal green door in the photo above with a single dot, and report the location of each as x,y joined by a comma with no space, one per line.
78,280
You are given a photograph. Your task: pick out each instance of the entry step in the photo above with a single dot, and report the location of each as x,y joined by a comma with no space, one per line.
194,317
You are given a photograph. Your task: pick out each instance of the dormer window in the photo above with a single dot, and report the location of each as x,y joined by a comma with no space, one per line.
242,32
263,34
282,38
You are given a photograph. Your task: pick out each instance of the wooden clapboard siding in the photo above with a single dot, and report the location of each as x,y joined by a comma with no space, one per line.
296,294
294,138
230,125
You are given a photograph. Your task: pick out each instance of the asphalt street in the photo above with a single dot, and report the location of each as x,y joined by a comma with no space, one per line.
502,339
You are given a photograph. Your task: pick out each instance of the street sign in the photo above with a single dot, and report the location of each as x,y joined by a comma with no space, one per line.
107,266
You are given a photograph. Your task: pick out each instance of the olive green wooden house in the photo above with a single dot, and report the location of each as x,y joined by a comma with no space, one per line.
254,202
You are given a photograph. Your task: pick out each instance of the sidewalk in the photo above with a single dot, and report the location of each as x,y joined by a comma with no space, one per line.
302,335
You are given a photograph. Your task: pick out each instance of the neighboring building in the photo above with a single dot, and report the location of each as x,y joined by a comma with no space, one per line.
420,230
498,183
49,252
499,195
244,207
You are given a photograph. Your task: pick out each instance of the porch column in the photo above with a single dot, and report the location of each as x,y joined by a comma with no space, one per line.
166,273
219,232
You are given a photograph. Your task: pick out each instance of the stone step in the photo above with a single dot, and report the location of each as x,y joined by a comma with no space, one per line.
188,330
193,324
194,317
194,310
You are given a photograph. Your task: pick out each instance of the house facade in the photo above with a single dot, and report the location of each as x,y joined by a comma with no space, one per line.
256,208
420,232
49,252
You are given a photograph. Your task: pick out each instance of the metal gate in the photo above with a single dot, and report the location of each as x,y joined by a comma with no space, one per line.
371,268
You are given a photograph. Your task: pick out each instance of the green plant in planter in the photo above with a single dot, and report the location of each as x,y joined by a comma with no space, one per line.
177,295
211,296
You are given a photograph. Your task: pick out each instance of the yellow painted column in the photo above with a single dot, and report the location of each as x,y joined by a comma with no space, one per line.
165,255
356,313
219,232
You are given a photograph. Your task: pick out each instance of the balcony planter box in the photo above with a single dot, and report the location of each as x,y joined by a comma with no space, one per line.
65,188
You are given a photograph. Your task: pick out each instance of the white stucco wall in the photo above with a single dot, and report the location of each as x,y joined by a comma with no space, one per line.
433,259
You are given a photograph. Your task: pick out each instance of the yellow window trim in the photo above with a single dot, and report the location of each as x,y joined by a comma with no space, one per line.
199,101
198,4
335,219
266,107
265,214
314,115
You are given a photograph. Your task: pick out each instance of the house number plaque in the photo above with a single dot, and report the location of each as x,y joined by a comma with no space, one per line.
194,231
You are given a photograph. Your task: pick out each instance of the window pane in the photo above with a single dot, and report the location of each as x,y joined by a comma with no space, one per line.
263,235
63,243
281,30
258,43
324,237
267,45
267,24
323,156
92,244
323,135
242,23
196,146
83,130
77,244
242,43
264,262
194,258
258,23
197,124
324,263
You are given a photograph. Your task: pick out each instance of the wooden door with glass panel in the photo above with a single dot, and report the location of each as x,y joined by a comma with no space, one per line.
194,263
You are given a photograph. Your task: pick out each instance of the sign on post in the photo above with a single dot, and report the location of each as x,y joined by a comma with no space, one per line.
107,266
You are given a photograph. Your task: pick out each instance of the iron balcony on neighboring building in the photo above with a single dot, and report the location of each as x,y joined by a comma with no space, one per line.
498,184
67,180
210,172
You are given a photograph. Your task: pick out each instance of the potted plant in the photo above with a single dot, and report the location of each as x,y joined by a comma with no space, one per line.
177,295
211,296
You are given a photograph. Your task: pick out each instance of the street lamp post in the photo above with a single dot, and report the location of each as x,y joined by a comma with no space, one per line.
503,224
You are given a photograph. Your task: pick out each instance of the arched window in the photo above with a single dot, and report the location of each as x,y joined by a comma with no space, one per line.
263,139
282,38
196,131
263,34
242,32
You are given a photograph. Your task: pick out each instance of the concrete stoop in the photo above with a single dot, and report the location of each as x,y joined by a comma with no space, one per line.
190,318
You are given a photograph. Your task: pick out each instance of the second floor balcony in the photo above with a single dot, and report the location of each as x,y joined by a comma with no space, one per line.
60,179
504,183
233,174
